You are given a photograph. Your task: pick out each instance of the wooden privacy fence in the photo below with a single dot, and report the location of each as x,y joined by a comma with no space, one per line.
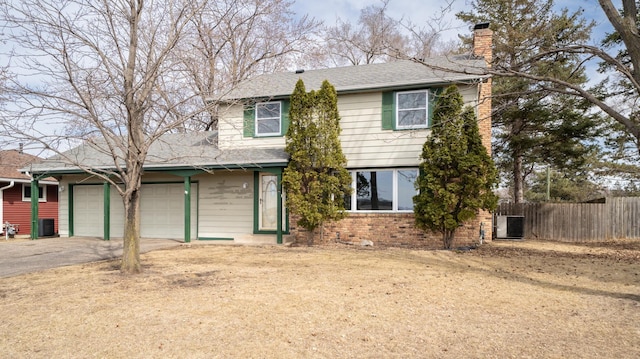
617,218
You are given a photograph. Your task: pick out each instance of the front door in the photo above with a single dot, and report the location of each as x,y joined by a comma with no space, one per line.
268,208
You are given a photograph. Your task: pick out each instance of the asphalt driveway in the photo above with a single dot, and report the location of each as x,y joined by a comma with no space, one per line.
26,256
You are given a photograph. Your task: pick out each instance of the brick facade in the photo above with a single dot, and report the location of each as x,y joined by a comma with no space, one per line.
390,229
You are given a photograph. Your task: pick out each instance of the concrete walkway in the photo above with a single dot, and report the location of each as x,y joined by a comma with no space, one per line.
20,256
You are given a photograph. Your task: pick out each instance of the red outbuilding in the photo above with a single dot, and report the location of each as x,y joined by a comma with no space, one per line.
15,196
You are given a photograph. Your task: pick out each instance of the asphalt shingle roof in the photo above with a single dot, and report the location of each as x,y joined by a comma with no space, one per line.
191,150
391,75
194,150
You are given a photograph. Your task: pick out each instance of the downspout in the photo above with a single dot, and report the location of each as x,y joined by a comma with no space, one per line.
11,184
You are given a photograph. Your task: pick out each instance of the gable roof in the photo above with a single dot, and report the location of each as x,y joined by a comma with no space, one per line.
10,163
373,77
171,151
200,150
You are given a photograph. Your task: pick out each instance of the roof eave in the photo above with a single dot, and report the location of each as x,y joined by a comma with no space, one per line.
366,89
175,167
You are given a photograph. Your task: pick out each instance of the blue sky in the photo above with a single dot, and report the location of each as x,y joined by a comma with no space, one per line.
420,12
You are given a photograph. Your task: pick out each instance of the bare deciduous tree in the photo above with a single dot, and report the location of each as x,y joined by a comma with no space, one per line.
233,40
367,42
104,72
377,37
619,97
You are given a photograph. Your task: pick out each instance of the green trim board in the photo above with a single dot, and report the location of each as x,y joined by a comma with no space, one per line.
279,210
215,239
388,110
180,168
34,208
187,209
185,173
70,209
248,122
256,205
70,188
106,212
256,202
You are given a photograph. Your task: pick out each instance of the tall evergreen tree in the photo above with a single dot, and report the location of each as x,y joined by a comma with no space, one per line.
555,186
535,126
316,179
457,175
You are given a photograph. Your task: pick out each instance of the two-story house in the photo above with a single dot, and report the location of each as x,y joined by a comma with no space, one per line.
226,184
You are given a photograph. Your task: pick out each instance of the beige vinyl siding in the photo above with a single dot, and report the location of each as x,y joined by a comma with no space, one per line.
364,142
63,209
225,205
230,132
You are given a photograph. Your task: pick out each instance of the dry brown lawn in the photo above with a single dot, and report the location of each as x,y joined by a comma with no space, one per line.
503,300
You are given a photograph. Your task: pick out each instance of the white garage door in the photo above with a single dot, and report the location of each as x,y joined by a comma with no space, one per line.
88,205
162,210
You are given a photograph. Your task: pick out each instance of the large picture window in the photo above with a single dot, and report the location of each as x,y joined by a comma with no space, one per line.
26,193
412,109
268,116
382,190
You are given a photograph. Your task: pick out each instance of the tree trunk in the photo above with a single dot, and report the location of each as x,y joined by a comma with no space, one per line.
515,133
518,179
131,250
374,190
447,238
310,235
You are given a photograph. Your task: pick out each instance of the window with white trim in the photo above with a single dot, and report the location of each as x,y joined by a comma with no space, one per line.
412,109
389,190
26,193
268,115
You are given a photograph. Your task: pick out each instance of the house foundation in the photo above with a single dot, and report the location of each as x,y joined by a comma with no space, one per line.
392,229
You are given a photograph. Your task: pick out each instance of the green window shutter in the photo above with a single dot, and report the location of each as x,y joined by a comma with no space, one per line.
433,94
249,123
388,111
284,122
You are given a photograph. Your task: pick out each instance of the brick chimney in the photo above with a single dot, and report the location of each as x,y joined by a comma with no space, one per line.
482,47
482,41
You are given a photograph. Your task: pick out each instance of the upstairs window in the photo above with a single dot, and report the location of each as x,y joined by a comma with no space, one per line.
412,109
266,119
268,115
408,110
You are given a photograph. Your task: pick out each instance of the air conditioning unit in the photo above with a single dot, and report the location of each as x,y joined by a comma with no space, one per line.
509,227
46,227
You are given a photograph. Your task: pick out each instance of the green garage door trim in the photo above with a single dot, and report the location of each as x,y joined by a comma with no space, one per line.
87,196
86,209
